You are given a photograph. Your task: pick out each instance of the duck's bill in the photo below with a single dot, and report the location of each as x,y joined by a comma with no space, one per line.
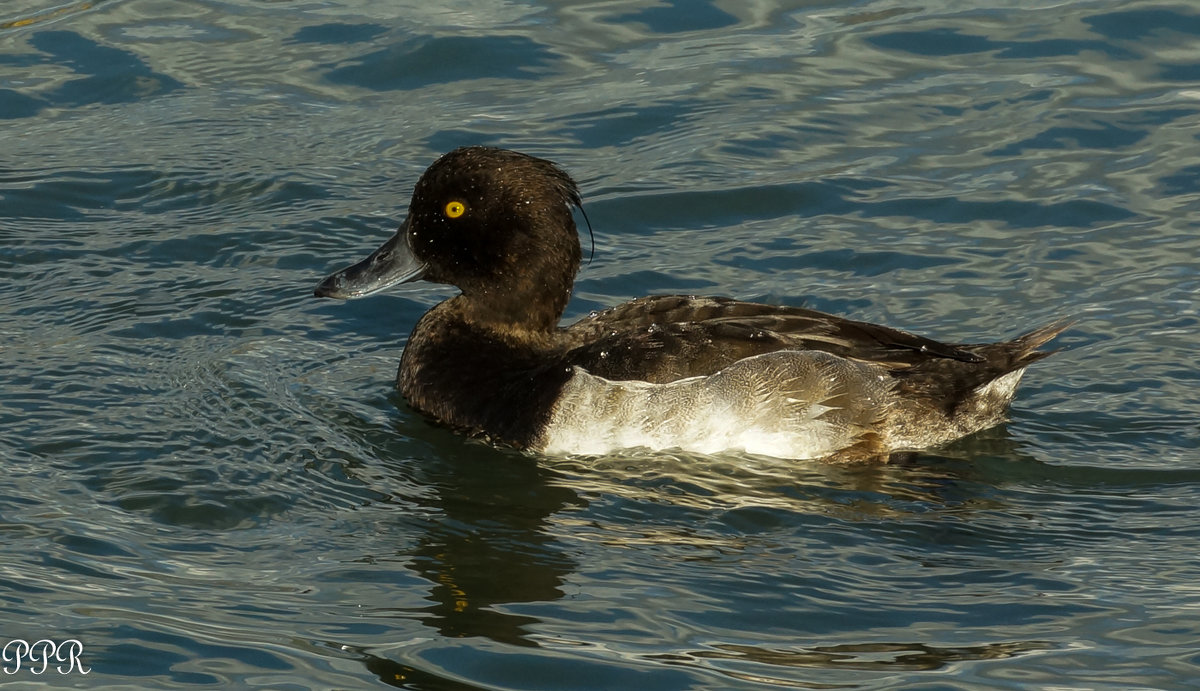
390,264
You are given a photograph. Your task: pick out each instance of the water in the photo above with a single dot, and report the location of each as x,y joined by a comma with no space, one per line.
207,479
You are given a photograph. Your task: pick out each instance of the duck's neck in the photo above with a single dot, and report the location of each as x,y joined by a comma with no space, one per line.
528,297
505,314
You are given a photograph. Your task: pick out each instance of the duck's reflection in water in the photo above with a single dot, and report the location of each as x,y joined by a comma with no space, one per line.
507,522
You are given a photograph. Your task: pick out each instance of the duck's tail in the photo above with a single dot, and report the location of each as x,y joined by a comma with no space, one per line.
943,399
1022,351
950,382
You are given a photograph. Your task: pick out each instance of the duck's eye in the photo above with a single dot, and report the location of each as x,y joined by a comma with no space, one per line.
455,209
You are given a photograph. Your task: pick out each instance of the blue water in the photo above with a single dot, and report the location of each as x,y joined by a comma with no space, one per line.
206,478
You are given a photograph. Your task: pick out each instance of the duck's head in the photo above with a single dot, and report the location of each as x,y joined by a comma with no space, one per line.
495,223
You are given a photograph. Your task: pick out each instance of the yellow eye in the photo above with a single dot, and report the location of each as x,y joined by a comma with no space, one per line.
455,209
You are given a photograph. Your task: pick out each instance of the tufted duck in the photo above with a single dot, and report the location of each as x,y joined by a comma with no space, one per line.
697,373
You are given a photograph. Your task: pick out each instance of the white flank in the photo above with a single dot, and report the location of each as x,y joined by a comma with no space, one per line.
772,404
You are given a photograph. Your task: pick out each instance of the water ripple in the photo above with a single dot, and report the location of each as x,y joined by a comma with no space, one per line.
209,479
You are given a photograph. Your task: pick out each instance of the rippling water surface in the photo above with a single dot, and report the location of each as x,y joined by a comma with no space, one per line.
206,478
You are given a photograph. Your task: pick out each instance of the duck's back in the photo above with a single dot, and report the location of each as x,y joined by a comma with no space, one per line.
668,337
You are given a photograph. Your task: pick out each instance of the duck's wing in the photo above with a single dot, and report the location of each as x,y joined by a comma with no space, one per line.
669,337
